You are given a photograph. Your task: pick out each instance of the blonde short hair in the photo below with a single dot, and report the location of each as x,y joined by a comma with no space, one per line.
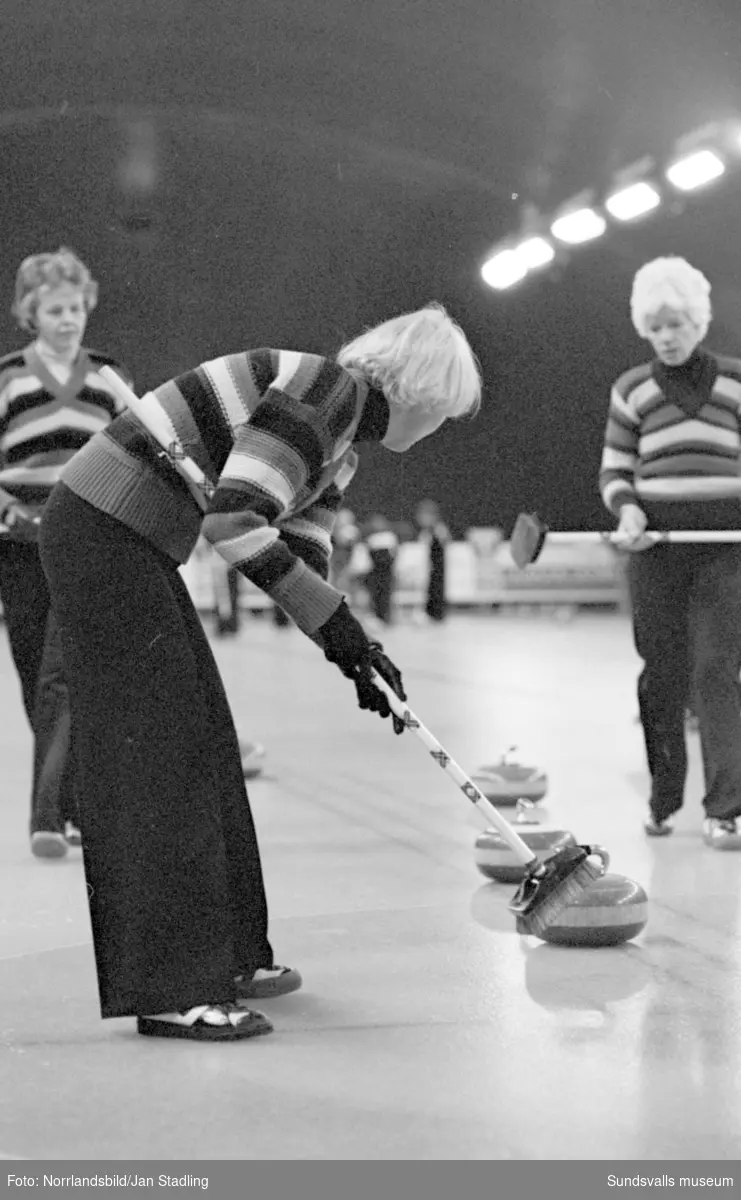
49,270
670,283
420,359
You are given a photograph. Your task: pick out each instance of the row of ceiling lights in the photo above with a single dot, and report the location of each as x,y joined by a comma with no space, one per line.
700,159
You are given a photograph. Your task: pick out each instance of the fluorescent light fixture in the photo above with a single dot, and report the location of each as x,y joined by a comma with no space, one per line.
631,202
580,226
694,170
536,252
503,270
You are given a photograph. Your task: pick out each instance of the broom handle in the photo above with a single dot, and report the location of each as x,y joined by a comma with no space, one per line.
675,535
451,768
156,421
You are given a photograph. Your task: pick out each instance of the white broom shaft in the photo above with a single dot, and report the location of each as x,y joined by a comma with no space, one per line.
674,535
451,767
159,426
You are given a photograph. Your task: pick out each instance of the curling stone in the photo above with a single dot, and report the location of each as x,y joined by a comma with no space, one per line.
495,859
252,756
612,910
506,782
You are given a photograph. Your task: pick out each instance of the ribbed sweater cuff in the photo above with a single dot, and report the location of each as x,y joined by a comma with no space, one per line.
306,598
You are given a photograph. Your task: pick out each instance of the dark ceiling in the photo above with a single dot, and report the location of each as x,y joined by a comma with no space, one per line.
503,96
316,166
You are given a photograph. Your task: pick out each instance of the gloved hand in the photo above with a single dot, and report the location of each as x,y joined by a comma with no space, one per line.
344,642
21,522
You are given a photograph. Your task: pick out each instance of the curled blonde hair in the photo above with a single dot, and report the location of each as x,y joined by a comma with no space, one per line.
49,270
419,359
670,283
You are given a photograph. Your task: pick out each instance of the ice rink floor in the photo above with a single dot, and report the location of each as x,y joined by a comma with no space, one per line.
426,1029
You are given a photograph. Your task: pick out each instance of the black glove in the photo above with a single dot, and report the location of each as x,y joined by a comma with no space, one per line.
391,675
345,644
21,522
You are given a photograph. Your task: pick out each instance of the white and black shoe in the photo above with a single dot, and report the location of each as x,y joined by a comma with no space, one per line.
46,843
207,1023
267,983
721,833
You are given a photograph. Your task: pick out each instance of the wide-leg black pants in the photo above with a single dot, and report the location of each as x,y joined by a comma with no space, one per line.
173,870
686,609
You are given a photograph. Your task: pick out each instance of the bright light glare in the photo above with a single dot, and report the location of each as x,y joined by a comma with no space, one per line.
580,226
695,170
504,270
536,252
633,201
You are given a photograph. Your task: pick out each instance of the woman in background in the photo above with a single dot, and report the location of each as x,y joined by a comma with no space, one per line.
433,533
52,400
672,460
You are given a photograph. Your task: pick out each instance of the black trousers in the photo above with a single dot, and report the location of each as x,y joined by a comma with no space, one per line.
175,883
686,608
36,651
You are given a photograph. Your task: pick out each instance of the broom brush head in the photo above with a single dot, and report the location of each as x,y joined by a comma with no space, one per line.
551,886
527,539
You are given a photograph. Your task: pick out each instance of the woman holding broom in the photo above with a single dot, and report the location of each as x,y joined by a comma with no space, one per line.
671,461
177,902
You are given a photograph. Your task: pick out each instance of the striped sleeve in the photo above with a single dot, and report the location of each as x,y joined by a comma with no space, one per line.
274,456
620,451
309,534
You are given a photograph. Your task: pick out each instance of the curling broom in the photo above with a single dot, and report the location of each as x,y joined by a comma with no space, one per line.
530,535
548,887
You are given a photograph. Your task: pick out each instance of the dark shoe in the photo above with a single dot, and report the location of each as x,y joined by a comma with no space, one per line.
267,983
654,828
46,844
207,1023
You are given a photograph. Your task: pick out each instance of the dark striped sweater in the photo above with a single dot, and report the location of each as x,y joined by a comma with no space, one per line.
43,423
273,432
673,444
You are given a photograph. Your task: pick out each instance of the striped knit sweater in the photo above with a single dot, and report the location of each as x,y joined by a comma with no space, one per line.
273,431
673,443
43,423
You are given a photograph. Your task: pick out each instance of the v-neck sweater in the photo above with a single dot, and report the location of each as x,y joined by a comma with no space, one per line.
673,443
43,422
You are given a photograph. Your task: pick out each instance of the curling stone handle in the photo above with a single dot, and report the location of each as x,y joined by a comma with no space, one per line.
451,767
600,852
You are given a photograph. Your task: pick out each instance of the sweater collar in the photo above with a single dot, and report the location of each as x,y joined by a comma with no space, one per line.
689,386
375,419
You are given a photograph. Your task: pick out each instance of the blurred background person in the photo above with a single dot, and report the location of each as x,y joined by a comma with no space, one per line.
225,581
383,546
435,535
345,537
